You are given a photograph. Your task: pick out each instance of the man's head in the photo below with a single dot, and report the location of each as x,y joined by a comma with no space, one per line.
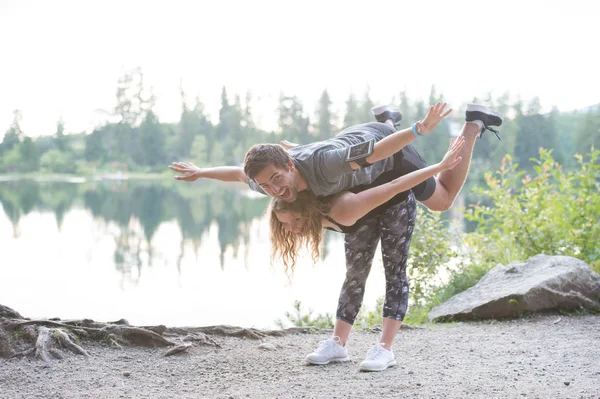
272,168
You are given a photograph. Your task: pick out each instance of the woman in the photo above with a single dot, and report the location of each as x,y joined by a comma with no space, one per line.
301,223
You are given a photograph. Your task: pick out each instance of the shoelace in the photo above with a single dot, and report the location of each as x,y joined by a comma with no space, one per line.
375,352
497,133
326,346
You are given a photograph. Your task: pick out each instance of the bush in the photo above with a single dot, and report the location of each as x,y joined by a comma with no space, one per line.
554,212
300,318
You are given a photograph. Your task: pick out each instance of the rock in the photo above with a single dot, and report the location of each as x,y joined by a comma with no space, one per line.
7,312
177,349
267,346
542,283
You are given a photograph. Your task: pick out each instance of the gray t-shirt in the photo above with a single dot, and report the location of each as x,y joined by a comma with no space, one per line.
323,164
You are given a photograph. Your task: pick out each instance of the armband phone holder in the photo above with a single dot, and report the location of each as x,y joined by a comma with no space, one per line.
359,152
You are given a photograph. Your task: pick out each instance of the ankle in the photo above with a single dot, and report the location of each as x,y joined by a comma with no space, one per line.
339,340
472,129
386,345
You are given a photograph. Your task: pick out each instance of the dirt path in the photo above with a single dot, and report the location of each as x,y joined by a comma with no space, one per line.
542,357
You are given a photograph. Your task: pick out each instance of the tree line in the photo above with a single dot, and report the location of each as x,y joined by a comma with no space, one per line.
134,138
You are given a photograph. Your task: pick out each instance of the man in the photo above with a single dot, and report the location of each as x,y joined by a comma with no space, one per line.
361,156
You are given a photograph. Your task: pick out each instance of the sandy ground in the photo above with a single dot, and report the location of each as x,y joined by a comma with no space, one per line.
541,357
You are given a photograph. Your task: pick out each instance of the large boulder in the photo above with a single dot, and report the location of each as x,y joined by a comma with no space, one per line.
542,283
7,312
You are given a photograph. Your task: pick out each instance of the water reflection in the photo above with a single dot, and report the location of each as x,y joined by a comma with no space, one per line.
147,203
140,249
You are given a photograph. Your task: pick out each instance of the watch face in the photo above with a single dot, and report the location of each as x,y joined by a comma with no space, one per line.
360,150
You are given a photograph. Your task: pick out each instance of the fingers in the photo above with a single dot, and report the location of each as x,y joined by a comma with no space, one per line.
458,144
181,164
181,167
455,162
177,169
438,109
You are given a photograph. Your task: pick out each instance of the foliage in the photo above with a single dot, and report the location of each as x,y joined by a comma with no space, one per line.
369,318
430,250
56,161
556,212
301,318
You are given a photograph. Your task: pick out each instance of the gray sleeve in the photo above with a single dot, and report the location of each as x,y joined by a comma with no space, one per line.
369,174
255,187
333,164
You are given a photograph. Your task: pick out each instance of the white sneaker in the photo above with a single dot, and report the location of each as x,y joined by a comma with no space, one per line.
329,351
378,359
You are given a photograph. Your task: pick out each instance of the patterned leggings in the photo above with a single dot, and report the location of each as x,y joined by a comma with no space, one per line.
394,227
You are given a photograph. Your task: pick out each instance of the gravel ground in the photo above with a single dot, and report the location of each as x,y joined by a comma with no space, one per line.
540,357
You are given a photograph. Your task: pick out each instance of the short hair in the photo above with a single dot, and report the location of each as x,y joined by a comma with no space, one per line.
260,156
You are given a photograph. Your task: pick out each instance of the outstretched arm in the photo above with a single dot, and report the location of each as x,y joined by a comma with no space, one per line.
348,207
190,172
393,143
396,141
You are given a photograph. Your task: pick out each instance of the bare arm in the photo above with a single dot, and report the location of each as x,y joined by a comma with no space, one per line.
347,208
190,172
393,143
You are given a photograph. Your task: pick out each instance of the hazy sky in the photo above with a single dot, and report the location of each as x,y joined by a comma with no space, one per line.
63,58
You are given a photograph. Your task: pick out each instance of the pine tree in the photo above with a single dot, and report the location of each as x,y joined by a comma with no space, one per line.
14,135
324,126
351,116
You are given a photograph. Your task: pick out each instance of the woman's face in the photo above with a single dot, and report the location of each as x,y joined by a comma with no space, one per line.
291,221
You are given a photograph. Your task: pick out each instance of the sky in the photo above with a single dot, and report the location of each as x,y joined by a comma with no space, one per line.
62,59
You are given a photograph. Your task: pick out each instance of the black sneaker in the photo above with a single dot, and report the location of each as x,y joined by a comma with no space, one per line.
384,113
485,115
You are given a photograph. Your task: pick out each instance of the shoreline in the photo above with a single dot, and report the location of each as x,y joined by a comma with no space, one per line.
548,356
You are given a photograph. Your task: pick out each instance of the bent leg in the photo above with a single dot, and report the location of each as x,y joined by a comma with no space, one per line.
450,182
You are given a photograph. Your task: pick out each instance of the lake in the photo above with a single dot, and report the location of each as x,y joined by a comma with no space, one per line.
155,252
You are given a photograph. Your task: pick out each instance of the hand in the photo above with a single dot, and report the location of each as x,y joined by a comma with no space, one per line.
288,144
188,171
451,159
433,118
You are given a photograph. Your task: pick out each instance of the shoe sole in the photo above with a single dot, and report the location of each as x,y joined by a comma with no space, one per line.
482,109
390,364
379,109
339,359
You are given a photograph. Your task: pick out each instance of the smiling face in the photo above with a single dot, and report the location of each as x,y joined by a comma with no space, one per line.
278,182
291,222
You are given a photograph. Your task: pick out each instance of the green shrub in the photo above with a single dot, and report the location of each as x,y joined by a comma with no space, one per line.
300,318
554,212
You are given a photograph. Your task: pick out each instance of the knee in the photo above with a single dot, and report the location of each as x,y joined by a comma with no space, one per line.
441,206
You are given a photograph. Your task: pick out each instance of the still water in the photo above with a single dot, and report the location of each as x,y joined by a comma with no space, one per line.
155,252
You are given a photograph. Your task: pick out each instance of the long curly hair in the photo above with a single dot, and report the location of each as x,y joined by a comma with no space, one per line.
286,244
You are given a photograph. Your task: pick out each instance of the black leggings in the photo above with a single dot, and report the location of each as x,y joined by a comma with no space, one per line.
394,227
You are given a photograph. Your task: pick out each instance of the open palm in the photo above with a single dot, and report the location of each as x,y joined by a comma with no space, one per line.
187,171
451,159
433,118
